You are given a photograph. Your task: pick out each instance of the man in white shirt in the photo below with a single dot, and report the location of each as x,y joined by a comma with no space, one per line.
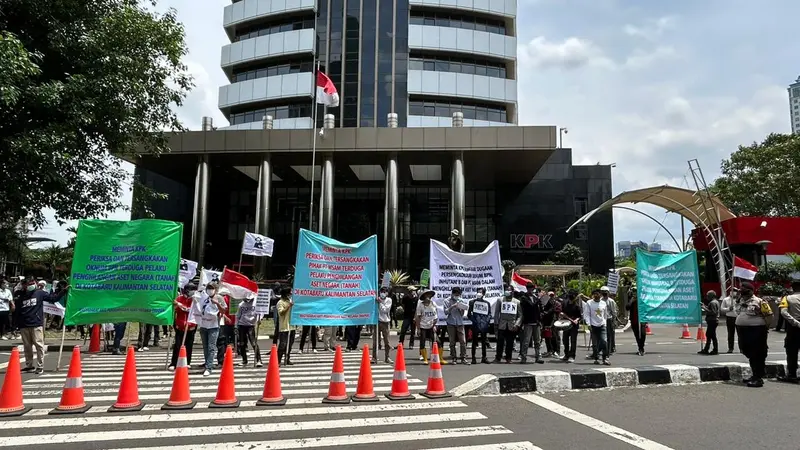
611,340
384,320
596,315
729,308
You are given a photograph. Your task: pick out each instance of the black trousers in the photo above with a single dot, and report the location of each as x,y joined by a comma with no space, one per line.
640,333
247,333
570,341
285,342
505,344
226,337
730,322
753,345
176,347
304,335
792,345
4,323
711,336
407,327
483,338
353,335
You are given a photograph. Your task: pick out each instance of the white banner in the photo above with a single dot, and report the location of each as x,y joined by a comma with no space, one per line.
613,282
262,301
54,309
469,271
207,276
257,245
187,271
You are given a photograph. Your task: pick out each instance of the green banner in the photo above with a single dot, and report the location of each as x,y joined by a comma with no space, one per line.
668,287
124,272
425,278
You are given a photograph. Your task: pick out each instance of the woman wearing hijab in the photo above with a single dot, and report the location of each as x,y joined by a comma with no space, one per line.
752,324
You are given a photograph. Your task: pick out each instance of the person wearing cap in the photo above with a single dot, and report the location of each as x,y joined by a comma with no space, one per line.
507,319
710,307
729,308
409,309
426,318
454,317
384,301
31,323
184,331
790,311
752,327
455,242
479,313
611,323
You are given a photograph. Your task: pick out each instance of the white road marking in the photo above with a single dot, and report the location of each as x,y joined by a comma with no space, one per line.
219,430
503,446
154,380
21,358
597,425
101,410
231,415
344,441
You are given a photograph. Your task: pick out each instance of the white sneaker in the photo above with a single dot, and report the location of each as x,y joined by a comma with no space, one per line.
314,351
140,349
145,349
259,364
4,338
207,373
301,351
171,368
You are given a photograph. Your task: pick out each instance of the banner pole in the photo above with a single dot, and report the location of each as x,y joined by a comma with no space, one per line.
61,348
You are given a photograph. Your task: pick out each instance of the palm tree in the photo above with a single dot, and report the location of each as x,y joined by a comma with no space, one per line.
54,257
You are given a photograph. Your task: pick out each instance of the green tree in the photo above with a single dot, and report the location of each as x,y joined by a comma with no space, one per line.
56,259
762,179
81,81
569,254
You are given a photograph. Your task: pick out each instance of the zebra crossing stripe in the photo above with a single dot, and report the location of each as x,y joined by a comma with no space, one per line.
240,429
504,446
154,408
197,380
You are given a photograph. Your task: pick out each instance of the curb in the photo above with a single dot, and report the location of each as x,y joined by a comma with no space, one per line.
605,377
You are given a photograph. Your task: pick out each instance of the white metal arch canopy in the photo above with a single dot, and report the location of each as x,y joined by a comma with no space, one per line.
685,202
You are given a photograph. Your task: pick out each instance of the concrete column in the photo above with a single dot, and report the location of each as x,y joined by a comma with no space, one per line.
458,119
326,196
457,190
267,122
390,215
200,212
263,199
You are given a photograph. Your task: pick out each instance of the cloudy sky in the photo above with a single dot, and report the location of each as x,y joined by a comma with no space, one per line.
647,85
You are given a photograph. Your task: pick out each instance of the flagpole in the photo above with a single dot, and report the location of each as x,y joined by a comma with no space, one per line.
313,147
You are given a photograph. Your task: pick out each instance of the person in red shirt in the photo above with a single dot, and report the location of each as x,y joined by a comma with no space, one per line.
183,304
227,329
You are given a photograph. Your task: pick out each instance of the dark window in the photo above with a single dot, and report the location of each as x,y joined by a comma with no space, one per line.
471,66
278,25
271,69
255,114
581,206
452,20
445,108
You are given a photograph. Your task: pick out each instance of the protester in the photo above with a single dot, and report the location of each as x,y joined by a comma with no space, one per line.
479,313
530,320
284,309
304,334
454,317
710,307
6,306
611,323
790,311
211,306
384,302
119,334
426,318
409,308
729,308
145,332
227,326
246,320
507,319
596,316
183,304
353,335
328,337
550,312
572,311
639,329
752,326
31,323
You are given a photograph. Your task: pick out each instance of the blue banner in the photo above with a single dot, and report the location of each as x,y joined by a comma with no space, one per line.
668,287
335,283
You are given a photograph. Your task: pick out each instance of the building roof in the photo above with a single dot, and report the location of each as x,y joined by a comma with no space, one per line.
677,200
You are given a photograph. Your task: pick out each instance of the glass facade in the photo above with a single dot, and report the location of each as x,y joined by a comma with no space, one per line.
349,87
458,20
282,111
400,100
369,36
444,108
335,56
385,61
271,69
277,25
456,64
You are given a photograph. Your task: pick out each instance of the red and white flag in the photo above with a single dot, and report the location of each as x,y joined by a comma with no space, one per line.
326,91
743,269
238,285
519,283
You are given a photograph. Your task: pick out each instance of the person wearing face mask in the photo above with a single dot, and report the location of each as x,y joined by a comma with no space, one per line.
572,311
479,313
550,311
752,327
409,308
710,308
184,331
729,308
246,320
454,312
384,302
211,305
426,318
611,323
507,318
531,318
6,300
31,324
286,333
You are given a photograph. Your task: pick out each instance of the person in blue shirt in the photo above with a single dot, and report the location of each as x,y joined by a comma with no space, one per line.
480,314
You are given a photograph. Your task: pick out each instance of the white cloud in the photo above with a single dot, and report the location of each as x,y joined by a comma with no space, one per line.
572,53
651,29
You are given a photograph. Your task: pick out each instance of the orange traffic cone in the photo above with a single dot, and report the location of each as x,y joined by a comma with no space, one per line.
686,334
226,391
364,390
272,386
400,380
11,393
435,387
701,333
337,392
647,330
72,397
94,342
180,398
128,398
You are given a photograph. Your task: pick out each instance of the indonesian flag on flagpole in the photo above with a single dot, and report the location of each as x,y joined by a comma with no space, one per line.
326,91
743,269
239,285
519,283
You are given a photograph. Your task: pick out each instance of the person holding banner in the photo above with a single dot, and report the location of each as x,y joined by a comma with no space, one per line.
752,326
384,302
479,313
184,331
426,318
507,318
246,320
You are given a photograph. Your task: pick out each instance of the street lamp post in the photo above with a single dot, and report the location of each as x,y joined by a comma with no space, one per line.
561,132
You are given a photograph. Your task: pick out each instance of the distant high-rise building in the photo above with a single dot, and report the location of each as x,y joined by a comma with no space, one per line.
794,105
655,247
626,249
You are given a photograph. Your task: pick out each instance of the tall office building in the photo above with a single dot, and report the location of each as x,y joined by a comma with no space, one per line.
421,59
794,105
